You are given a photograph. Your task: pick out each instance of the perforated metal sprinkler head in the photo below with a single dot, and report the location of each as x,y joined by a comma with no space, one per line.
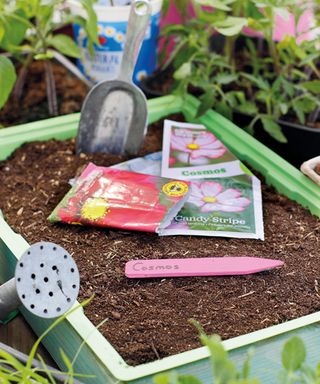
46,282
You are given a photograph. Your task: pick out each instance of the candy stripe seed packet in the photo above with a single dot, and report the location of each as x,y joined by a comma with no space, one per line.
108,197
227,207
190,151
225,198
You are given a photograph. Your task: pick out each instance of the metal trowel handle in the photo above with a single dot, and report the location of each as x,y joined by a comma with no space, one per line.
138,21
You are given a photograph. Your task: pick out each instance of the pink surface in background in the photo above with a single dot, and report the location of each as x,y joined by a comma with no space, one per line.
283,26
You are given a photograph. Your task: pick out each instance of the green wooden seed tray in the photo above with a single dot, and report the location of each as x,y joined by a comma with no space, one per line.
97,356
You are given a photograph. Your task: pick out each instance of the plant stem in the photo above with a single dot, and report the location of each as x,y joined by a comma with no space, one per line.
51,89
231,40
272,46
229,50
18,88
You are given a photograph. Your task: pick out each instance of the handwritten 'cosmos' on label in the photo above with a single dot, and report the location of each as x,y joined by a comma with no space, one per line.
139,266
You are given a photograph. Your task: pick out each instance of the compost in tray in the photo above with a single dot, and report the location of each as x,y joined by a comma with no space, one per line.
148,319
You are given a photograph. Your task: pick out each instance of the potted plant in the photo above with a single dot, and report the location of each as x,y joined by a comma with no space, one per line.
30,41
112,20
97,356
267,86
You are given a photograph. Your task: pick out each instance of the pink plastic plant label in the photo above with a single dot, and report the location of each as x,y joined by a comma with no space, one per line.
205,266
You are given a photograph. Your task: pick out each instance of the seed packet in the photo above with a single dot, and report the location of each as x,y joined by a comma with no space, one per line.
108,197
149,164
228,206
190,151
225,198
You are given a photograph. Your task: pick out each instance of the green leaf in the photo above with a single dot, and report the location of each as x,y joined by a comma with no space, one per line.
299,111
247,364
188,379
305,104
165,7
30,7
183,71
207,102
15,28
282,12
252,11
223,368
217,4
65,44
225,78
171,29
223,109
273,128
258,81
288,87
312,86
293,354
247,108
235,98
162,378
91,25
276,86
44,56
7,79
284,108
231,25
2,31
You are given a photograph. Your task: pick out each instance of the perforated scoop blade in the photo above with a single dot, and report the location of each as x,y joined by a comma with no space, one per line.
47,280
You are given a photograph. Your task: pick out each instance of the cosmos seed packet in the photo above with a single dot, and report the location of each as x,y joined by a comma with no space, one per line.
225,197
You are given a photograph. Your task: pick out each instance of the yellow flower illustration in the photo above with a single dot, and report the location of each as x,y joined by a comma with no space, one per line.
94,208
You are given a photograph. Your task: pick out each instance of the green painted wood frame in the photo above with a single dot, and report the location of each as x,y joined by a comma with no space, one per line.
97,356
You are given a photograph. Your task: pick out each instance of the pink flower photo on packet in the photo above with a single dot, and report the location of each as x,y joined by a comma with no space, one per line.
190,149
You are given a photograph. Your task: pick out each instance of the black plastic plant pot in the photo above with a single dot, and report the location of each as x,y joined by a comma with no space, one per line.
158,84
303,142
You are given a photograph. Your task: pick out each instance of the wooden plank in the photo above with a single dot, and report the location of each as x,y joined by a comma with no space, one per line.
19,335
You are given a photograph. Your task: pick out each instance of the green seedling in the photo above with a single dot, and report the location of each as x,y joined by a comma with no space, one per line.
264,79
14,371
29,30
224,371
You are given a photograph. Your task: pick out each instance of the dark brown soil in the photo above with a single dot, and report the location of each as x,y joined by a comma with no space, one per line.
148,319
33,105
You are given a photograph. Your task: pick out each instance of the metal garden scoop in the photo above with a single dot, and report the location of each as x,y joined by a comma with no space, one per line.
114,113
